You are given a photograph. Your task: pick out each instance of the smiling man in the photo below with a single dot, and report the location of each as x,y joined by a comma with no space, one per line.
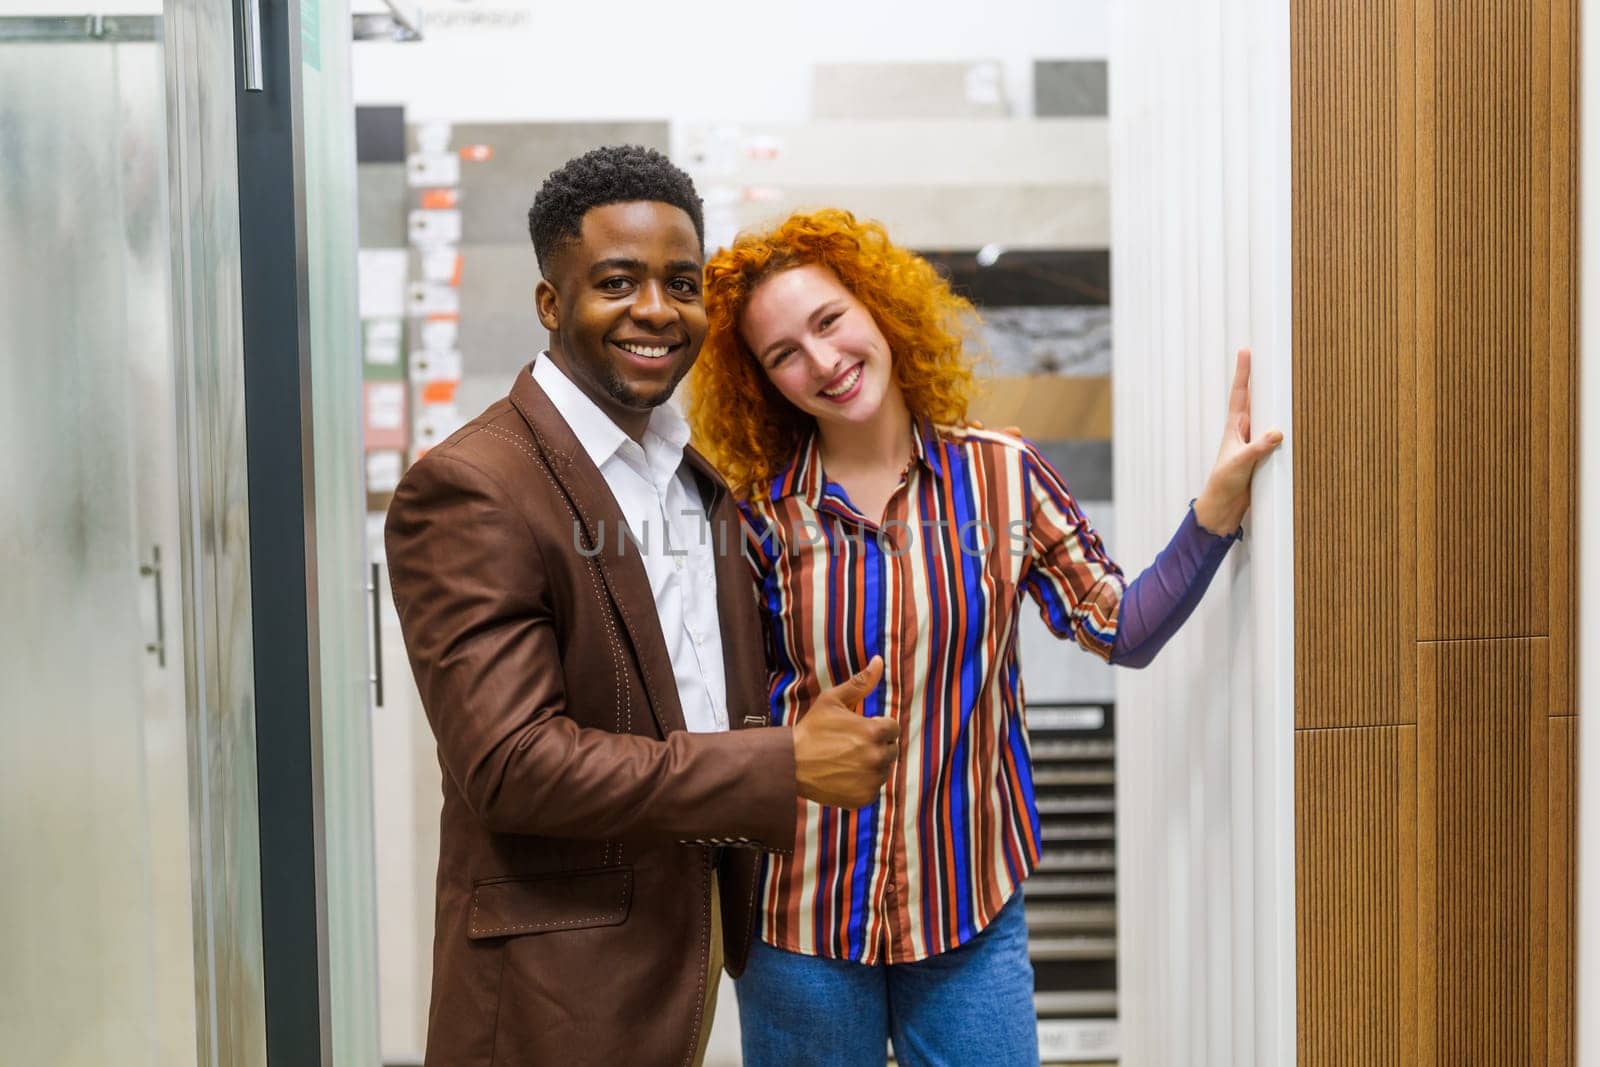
600,710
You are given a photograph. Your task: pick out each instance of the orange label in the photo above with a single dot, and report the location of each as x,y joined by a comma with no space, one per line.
477,153
439,392
439,199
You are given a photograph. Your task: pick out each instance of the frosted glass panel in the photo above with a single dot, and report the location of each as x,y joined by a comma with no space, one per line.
344,631
95,909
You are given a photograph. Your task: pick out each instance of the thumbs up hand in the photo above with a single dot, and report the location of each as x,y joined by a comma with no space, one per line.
842,758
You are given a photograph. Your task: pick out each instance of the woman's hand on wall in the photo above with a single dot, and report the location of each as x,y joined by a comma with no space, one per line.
1221,505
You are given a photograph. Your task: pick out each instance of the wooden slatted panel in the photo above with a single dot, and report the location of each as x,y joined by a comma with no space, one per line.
1563,356
1563,896
1435,168
1484,763
1354,388
1356,899
1484,230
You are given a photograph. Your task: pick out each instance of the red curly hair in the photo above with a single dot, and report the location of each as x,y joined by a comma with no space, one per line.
740,420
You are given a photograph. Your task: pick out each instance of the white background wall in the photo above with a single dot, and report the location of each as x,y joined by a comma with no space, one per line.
9,8
1205,814
714,59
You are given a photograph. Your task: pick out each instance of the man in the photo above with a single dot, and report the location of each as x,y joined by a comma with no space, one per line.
589,652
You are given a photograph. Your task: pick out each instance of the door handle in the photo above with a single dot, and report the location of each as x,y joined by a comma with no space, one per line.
376,677
158,647
250,30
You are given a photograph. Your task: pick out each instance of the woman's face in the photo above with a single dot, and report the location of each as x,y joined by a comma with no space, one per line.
819,346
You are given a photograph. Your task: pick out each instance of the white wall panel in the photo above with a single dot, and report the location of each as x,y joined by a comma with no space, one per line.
1200,229
720,59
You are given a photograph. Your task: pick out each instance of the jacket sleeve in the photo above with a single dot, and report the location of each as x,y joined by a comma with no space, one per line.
480,624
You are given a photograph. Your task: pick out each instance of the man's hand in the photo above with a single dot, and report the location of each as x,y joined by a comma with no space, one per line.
1221,505
841,758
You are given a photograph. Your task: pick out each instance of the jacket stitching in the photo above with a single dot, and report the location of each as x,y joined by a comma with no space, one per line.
700,988
499,998
755,884
494,930
594,578
620,691
621,909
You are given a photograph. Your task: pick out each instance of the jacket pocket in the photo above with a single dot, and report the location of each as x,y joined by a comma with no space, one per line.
571,900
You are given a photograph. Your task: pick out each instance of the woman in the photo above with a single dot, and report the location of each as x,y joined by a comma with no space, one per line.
832,391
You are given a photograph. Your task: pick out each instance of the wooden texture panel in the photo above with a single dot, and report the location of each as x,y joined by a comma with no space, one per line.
1356,899
1484,763
1354,389
1484,359
1563,325
1435,368
1048,407
1562,974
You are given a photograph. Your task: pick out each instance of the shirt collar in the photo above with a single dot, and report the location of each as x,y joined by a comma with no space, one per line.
804,477
599,436
927,447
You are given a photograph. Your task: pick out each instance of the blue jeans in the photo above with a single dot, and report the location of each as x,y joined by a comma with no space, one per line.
971,1005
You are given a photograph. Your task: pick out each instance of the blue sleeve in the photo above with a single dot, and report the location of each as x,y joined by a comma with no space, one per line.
1161,599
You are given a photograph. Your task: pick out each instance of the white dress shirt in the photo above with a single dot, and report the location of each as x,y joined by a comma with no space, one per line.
660,500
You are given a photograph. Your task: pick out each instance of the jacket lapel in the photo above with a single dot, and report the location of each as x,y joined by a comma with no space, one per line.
743,644
621,569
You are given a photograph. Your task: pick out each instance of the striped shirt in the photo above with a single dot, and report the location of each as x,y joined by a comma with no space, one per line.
978,519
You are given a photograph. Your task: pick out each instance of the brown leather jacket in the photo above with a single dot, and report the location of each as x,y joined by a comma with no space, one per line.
581,821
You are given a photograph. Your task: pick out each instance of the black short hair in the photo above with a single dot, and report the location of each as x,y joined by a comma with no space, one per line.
611,175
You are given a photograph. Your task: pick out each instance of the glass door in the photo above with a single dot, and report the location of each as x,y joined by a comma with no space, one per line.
97,913
185,811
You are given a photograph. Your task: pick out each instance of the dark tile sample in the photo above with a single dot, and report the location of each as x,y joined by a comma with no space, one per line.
1069,88
380,135
500,330
1028,278
1085,465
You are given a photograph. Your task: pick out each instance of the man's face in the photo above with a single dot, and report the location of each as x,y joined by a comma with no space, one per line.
622,304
